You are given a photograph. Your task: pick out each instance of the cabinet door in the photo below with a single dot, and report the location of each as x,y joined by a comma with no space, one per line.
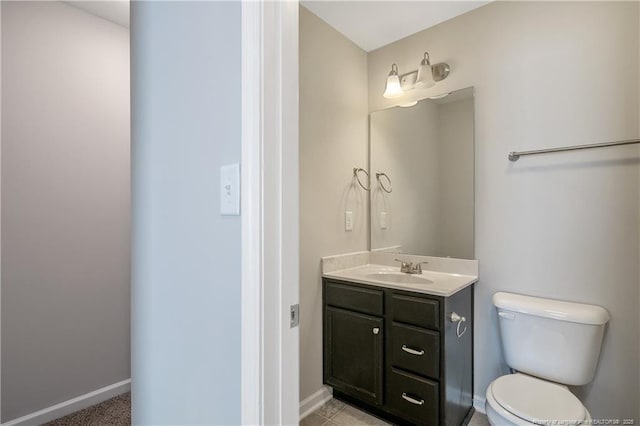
353,346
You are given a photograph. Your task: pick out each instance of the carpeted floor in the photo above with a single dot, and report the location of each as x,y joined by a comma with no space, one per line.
113,412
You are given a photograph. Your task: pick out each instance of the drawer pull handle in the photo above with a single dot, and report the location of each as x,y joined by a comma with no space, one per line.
376,330
412,400
412,351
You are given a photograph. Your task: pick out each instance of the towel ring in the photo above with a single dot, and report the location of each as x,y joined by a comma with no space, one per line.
382,185
454,317
356,171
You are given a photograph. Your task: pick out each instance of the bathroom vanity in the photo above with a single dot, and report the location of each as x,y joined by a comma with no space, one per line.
392,346
398,338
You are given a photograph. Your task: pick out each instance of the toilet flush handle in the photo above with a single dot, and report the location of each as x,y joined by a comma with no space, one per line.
454,317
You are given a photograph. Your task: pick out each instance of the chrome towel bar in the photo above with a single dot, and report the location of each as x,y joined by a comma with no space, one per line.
515,155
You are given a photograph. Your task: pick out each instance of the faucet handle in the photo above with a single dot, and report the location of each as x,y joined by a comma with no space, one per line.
404,265
418,267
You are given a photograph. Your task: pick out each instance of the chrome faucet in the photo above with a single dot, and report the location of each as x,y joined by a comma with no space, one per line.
410,268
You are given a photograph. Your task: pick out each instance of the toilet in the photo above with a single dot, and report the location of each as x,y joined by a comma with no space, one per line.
550,344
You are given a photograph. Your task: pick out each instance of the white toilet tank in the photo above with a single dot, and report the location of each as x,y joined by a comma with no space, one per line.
551,339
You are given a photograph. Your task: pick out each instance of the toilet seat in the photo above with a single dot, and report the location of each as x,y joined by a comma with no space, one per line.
524,399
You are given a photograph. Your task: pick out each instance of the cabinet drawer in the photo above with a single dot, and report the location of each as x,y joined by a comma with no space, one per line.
415,349
413,398
415,311
353,298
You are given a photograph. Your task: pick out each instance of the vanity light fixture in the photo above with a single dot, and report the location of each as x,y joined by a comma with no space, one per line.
425,76
393,89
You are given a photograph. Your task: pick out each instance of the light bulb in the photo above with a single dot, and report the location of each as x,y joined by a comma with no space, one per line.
425,74
393,88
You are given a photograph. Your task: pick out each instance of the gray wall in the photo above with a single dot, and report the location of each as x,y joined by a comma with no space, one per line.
563,225
333,140
65,205
186,257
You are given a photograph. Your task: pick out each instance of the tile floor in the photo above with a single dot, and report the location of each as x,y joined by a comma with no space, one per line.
337,413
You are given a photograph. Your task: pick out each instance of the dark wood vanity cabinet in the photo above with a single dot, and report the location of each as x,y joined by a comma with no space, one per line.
397,354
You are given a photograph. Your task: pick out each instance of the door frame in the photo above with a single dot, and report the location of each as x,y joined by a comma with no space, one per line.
270,218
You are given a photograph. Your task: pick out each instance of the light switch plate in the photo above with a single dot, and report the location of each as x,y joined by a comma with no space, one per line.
383,220
348,221
230,190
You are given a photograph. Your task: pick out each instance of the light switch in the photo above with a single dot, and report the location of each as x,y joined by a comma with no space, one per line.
383,220
230,190
348,221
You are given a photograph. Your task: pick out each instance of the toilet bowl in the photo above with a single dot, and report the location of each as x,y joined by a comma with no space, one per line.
519,399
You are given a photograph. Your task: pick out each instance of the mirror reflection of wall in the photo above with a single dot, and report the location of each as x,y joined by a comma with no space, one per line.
427,151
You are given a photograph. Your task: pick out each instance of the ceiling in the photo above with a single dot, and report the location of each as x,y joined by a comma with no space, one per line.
369,24
373,24
116,11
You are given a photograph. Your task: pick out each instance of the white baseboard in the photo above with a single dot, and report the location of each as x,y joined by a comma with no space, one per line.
315,401
478,403
72,405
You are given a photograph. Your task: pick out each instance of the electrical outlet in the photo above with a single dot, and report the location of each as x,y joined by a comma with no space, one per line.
383,220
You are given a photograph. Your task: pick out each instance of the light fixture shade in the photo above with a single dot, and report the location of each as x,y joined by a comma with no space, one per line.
425,74
393,88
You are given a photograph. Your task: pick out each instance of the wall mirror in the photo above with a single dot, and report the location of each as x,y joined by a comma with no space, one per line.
422,177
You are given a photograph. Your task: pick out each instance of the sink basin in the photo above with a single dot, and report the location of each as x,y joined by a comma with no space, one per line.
399,277
389,276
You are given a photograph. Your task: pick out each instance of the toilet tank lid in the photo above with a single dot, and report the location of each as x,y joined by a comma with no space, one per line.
550,308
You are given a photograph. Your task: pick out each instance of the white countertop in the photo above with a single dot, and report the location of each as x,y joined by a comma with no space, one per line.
429,282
